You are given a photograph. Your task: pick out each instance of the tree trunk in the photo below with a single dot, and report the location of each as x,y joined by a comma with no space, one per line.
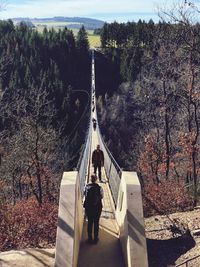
194,155
13,190
167,132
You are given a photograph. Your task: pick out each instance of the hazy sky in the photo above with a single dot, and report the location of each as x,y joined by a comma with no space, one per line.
109,10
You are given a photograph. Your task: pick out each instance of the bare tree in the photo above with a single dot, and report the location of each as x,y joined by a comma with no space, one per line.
32,153
184,17
3,4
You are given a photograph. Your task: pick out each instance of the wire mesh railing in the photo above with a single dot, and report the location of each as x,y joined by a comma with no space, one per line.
83,164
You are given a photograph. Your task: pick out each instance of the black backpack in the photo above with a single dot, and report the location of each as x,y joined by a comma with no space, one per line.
93,198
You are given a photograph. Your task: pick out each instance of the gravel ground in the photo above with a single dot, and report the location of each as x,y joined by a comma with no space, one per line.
166,247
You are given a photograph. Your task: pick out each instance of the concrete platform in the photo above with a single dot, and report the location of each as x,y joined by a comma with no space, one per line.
106,253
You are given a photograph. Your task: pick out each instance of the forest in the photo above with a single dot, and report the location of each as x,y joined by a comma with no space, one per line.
147,84
44,103
154,100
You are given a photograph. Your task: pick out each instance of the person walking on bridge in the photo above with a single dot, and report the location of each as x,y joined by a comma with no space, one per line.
93,207
98,161
94,124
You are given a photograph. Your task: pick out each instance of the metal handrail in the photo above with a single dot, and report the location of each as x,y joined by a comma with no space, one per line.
84,159
110,155
112,169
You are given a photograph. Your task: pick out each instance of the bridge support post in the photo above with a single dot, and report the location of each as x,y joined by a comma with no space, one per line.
129,215
70,221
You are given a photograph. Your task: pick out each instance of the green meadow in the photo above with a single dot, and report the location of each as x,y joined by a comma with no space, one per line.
94,40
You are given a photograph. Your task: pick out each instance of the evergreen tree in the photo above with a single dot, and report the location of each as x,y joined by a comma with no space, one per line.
82,43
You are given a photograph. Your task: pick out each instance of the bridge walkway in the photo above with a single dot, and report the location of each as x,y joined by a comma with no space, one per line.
108,251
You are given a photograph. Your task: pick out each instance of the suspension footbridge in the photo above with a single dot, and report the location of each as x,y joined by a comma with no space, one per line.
122,235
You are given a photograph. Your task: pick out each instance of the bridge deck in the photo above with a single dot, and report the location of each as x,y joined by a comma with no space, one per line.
108,251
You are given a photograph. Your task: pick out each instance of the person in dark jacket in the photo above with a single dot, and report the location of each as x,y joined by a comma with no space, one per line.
93,207
98,161
94,124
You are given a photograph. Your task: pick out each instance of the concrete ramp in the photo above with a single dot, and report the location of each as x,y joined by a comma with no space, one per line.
106,253
108,250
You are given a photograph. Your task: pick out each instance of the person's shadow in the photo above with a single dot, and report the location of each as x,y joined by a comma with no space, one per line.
163,253
107,252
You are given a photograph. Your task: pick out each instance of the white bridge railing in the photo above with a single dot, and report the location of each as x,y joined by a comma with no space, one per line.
112,169
83,166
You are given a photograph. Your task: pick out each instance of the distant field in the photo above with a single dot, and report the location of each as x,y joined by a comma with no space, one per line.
40,27
75,31
59,25
94,40
54,24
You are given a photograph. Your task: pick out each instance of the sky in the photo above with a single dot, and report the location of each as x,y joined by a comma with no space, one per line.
106,10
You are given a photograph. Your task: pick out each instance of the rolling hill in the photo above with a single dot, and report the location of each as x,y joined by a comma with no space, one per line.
70,22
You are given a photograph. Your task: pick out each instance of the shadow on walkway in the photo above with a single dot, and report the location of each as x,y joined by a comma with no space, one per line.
106,253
